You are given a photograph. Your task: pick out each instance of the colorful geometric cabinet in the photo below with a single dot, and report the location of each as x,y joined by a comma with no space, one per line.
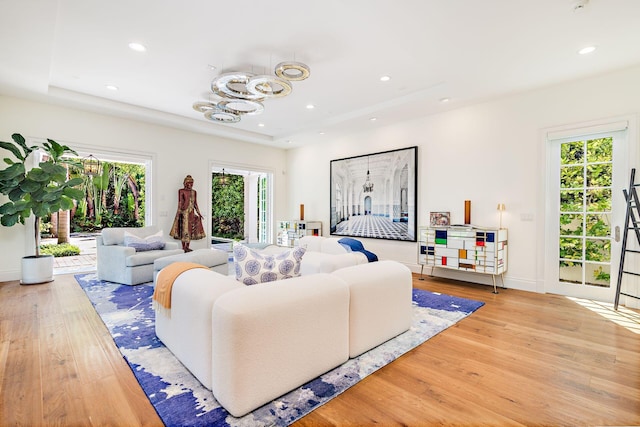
475,249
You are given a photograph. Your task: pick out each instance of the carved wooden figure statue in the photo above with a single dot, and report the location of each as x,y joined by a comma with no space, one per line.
187,224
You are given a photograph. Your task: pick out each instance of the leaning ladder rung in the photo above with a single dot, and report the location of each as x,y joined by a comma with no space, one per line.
631,272
632,202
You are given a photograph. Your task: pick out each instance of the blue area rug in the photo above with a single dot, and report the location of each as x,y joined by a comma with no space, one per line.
181,400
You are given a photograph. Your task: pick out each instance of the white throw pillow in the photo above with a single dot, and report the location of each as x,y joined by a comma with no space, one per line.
254,267
140,244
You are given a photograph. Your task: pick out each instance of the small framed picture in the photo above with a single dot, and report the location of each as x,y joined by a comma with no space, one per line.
440,219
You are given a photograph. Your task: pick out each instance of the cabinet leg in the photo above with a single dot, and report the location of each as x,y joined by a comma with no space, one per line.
421,271
495,290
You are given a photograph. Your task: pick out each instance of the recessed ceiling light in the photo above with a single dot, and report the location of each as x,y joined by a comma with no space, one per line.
112,87
579,5
289,141
310,106
320,133
261,125
373,119
137,47
586,50
385,78
444,100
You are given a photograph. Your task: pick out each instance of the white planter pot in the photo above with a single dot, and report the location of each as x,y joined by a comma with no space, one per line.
36,270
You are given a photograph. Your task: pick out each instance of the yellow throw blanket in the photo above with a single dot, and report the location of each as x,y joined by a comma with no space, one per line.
165,279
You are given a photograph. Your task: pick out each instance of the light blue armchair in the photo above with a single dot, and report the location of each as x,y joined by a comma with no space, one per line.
122,257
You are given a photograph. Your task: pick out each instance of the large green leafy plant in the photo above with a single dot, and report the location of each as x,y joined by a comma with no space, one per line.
40,191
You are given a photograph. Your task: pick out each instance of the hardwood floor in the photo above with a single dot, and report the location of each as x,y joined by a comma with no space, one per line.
522,359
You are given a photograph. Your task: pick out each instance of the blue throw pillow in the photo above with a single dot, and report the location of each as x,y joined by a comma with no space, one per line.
370,255
353,245
150,243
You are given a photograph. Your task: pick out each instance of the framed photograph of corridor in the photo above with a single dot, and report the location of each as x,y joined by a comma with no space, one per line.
375,195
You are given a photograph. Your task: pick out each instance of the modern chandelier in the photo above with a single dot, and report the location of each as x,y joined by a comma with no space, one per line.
242,93
367,187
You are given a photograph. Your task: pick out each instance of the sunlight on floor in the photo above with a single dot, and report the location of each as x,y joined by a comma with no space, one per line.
623,316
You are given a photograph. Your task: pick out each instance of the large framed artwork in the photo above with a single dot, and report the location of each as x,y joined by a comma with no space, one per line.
375,195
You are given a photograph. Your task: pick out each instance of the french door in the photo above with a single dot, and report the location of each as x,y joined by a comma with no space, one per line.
247,204
585,213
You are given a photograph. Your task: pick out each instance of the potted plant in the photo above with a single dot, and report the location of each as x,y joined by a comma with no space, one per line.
40,191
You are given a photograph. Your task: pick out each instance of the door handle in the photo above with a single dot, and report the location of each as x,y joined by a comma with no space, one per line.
617,233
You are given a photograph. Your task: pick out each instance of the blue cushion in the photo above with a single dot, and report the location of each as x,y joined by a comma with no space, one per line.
353,245
370,255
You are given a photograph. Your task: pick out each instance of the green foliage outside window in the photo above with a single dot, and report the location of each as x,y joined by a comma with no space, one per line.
227,206
61,250
585,202
114,198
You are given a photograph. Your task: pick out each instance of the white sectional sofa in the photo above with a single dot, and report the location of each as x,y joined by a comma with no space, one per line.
251,344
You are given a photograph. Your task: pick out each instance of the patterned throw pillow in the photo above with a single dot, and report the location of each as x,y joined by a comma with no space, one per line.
140,244
254,267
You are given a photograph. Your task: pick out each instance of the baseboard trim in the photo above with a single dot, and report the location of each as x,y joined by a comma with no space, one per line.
9,275
479,278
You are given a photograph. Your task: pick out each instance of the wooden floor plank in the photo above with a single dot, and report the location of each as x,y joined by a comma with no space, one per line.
522,359
21,394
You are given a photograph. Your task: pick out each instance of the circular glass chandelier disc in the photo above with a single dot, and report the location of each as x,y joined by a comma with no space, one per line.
292,71
221,116
203,106
234,85
241,106
269,86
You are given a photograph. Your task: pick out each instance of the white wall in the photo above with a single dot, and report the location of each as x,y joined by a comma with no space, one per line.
176,153
487,153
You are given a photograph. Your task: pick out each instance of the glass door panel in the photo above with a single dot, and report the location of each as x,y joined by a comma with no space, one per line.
585,211
585,186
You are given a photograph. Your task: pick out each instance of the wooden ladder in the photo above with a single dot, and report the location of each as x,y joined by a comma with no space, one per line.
631,223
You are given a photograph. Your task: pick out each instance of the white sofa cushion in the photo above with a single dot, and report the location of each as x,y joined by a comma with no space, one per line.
115,236
330,245
215,259
186,328
380,305
270,338
311,243
319,262
147,257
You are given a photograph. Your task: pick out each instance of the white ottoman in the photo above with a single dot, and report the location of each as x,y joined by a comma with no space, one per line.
381,303
215,259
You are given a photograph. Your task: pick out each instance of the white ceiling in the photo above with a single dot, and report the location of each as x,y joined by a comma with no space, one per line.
67,51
